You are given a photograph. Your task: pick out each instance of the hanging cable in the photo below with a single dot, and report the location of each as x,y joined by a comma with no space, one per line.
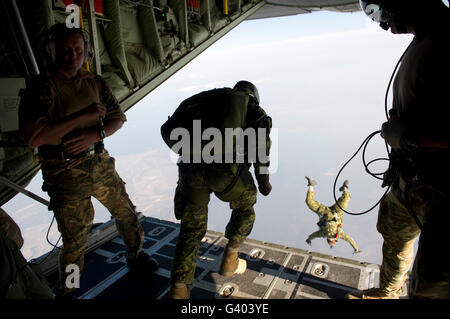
366,166
366,142
55,246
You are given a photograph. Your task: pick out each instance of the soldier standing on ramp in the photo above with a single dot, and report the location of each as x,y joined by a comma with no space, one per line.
66,112
417,131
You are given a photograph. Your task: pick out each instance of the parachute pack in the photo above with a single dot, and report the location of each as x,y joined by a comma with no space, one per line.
201,124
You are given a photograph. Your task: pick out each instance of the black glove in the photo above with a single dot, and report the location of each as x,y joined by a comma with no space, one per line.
264,186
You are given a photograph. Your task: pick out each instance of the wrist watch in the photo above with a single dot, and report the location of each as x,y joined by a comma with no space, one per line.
101,133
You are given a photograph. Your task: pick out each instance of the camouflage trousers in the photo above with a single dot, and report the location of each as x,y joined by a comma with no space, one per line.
330,230
321,209
399,230
70,186
10,229
18,279
194,218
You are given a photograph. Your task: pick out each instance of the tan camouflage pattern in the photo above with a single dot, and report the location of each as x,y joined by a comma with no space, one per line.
10,229
194,218
399,230
333,215
18,279
420,101
70,186
48,99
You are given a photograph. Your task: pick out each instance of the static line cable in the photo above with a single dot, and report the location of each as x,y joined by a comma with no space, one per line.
41,200
364,144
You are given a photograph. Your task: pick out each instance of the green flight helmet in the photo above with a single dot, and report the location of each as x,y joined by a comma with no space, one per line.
248,86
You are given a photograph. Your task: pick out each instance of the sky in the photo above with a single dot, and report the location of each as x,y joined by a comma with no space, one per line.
322,77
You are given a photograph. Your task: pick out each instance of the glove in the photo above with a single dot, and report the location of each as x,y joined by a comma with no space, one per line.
264,186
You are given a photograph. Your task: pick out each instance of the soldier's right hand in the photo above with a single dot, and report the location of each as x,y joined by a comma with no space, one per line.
96,110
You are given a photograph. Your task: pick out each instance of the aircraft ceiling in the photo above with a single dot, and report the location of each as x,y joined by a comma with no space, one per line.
279,8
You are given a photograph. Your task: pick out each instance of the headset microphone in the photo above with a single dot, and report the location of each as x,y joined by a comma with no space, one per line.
384,25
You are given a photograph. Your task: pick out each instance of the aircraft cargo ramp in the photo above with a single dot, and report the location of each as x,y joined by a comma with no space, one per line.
273,271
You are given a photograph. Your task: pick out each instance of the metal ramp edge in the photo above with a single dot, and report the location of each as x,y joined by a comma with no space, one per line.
273,271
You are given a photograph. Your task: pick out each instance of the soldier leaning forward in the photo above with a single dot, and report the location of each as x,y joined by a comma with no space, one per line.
230,181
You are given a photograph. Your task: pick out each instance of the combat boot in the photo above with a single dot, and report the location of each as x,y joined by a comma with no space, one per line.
231,264
373,293
61,292
344,186
179,290
311,182
143,262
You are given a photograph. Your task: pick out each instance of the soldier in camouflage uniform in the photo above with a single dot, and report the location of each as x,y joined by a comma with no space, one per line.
417,132
230,182
331,218
66,113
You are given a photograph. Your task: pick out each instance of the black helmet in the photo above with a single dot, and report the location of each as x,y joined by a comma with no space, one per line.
248,86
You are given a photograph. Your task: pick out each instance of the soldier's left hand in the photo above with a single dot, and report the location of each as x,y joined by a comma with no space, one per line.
393,131
81,142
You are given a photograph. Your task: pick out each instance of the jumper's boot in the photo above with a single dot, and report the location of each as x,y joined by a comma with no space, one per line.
311,182
179,290
373,293
231,264
344,186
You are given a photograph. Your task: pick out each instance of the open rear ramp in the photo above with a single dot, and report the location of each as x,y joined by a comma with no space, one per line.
273,271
